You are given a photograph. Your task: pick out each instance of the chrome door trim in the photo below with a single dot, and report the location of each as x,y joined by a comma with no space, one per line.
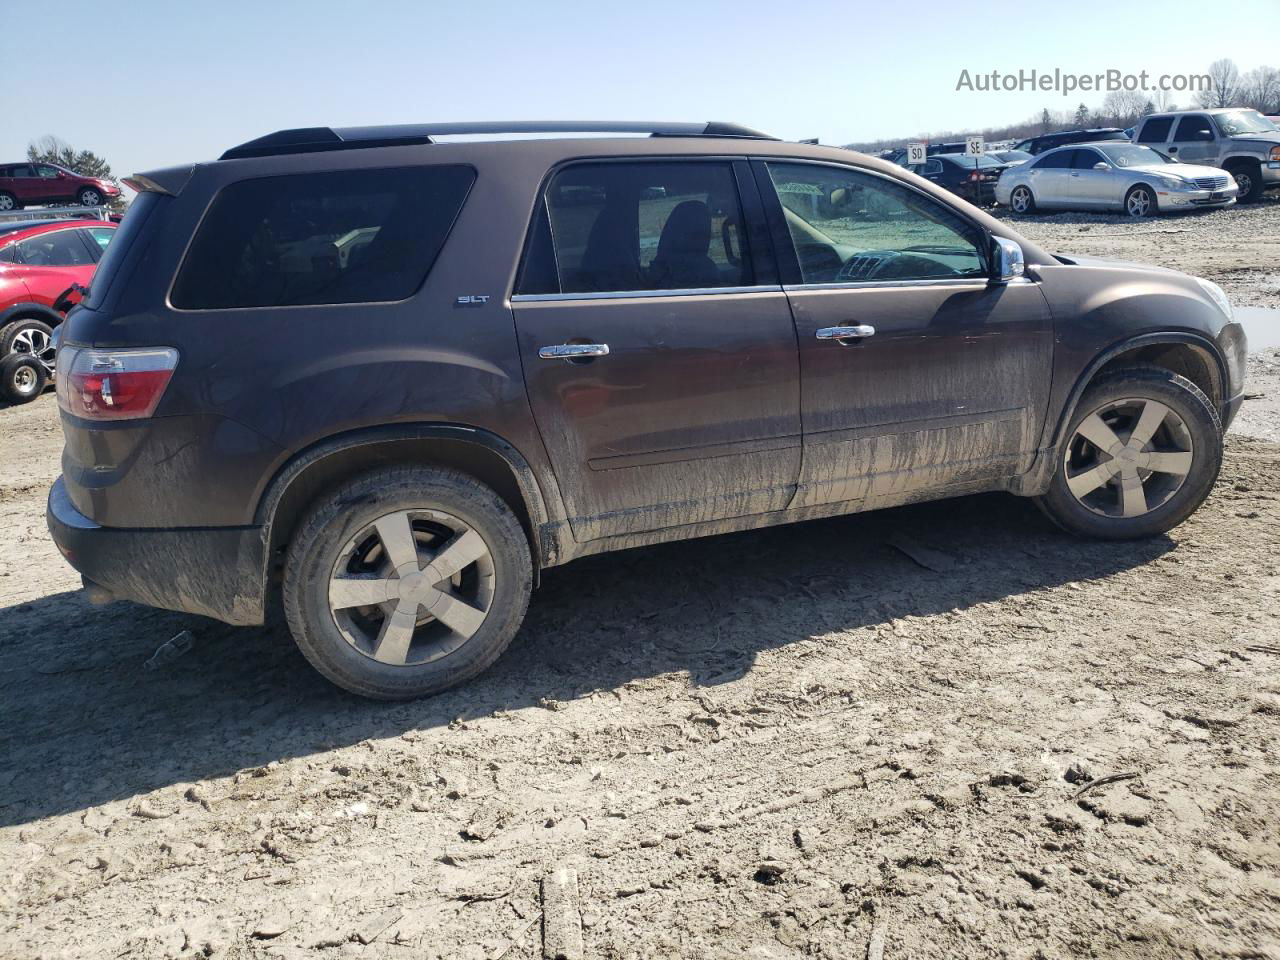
643,294
874,284
573,351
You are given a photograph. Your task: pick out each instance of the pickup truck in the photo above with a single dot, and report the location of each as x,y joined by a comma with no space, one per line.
1243,142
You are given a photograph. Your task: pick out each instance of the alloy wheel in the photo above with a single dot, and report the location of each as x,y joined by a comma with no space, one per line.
1244,182
1128,457
1020,200
411,587
1138,204
90,198
37,343
6,202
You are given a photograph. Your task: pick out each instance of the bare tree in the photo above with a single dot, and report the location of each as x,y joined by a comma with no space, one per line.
1260,89
1163,102
1123,107
1224,85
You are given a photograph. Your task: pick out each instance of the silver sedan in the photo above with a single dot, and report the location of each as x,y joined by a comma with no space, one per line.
1129,177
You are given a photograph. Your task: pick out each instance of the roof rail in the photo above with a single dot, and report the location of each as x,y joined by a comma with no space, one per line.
316,139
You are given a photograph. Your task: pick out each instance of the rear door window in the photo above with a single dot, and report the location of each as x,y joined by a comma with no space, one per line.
357,236
620,227
1060,160
1156,130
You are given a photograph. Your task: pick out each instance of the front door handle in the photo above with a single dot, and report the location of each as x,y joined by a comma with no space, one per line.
857,331
573,351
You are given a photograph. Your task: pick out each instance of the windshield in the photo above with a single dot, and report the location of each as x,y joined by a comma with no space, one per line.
1244,121
1133,155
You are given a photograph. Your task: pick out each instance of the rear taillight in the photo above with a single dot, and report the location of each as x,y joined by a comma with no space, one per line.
98,384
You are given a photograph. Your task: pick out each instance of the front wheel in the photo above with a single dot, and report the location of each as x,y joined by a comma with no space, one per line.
1021,200
1140,202
406,582
89,197
1142,452
1248,177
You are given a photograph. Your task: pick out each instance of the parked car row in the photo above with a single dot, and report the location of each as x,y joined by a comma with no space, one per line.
45,267
1169,161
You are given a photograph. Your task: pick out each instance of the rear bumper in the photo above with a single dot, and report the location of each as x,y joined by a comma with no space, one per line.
214,572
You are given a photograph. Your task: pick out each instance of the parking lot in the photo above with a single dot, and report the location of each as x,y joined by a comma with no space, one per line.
868,736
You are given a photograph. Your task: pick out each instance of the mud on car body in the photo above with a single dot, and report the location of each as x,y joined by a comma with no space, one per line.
393,378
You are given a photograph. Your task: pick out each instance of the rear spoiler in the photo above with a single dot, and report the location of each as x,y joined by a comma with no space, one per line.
168,181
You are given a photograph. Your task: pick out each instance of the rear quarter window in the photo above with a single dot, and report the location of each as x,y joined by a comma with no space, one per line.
356,236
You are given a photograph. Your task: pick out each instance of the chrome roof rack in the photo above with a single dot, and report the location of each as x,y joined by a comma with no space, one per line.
316,139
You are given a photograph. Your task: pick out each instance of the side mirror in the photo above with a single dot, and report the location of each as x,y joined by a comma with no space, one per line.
1009,261
1102,165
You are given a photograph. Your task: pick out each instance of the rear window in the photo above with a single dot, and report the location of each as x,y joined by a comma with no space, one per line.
355,236
122,241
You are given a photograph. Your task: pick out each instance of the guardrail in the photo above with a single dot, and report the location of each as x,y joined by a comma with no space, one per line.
55,213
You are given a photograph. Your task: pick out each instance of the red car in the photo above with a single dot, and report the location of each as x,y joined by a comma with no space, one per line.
28,184
41,263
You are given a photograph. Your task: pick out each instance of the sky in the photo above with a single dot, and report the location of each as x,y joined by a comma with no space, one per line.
169,82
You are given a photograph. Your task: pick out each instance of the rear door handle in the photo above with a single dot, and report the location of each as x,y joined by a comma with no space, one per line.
573,351
857,331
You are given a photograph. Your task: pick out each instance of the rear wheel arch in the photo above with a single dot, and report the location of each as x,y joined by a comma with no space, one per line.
310,475
1187,355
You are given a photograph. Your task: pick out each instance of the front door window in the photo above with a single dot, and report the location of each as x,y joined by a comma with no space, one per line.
849,226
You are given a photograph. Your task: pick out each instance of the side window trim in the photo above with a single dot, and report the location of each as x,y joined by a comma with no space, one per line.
761,251
789,264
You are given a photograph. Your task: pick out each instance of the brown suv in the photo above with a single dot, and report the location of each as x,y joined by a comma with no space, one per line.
394,377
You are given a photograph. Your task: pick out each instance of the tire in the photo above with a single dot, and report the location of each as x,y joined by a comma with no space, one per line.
30,336
1248,177
1140,201
8,202
1022,196
89,197
22,378
342,539
1191,440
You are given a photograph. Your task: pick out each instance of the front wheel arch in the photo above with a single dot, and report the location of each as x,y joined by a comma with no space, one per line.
1185,354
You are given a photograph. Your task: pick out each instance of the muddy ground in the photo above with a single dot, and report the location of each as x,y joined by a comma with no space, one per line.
791,743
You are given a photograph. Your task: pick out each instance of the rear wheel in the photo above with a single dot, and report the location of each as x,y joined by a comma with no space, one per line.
1140,201
406,582
1143,451
9,202
22,378
1021,200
